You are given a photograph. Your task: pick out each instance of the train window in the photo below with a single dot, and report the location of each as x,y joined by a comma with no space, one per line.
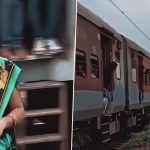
133,59
133,65
81,68
118,45
133,75
132,53
117,60
146,79
94,66
118,73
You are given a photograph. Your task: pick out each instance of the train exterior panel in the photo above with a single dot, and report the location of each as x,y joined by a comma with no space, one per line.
118,103
146,81
89,63
88,80
132,76
94,41
138,78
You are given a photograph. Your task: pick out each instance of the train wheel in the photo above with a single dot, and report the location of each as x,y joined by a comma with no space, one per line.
82,140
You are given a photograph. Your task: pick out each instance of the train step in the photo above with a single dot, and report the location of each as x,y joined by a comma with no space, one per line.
139,114
106,140
37,85
105,131
40,139
104,124
44,112
139,118
33,57
54,94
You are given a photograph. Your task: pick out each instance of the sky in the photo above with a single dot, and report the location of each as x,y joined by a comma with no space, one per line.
137,10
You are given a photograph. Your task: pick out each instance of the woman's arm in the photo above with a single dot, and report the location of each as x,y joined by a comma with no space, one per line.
16,108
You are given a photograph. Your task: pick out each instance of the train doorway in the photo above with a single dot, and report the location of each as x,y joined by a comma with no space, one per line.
106,45
140,78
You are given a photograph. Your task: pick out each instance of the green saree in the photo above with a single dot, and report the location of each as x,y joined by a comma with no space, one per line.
9,73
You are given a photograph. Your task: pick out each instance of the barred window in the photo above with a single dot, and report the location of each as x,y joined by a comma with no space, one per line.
81,67
133,59
94,66
133,66
147,77
118,69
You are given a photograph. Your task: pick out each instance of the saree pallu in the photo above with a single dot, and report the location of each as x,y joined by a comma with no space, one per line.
9,73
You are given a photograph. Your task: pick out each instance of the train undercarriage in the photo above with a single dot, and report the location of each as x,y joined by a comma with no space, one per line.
99,131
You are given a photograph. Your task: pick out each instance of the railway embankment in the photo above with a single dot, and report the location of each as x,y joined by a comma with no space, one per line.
134,140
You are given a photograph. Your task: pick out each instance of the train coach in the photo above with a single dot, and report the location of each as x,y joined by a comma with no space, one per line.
99,46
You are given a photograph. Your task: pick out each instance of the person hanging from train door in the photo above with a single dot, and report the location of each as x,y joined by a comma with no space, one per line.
11,29
45,34
108,78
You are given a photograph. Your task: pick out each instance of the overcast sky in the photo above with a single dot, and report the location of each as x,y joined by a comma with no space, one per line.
137,10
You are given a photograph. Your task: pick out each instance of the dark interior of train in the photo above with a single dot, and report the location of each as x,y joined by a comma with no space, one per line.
106,45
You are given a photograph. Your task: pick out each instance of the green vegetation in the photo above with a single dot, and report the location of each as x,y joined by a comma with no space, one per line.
137,140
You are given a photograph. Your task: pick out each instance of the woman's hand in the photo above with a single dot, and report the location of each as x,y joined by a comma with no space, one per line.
16,109
2,126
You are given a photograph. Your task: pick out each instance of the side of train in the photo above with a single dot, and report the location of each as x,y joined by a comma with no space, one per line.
97,46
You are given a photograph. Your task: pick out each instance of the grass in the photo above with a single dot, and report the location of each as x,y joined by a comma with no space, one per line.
137,140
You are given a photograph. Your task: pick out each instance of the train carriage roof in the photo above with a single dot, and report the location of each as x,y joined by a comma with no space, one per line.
89,15
136,47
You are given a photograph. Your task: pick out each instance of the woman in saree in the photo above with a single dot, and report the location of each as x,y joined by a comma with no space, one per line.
11,107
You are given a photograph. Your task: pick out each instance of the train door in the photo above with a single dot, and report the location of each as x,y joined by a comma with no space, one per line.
106,45
140,78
